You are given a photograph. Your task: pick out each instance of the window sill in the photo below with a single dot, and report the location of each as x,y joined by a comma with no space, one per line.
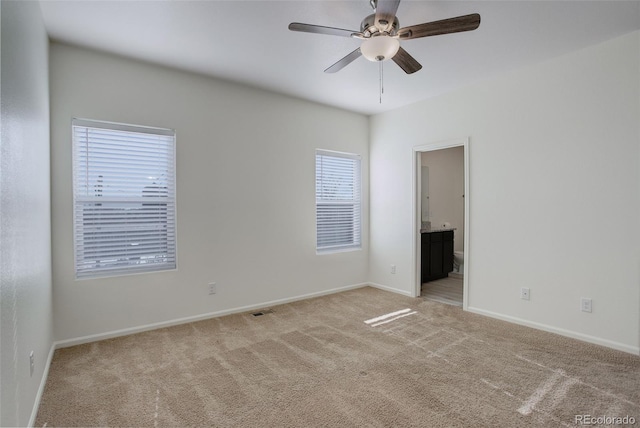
337,250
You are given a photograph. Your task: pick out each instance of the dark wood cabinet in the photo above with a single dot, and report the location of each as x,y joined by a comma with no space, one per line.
437,255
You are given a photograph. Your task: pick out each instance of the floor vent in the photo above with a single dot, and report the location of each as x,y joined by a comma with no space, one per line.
263,312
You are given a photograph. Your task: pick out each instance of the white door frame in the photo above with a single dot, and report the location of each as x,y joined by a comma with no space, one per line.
417,211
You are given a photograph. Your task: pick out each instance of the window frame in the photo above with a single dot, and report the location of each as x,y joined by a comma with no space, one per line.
356,244
172,246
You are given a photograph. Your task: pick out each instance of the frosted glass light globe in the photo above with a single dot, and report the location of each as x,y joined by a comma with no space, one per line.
379,48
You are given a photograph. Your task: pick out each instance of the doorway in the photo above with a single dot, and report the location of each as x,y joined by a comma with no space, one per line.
424,210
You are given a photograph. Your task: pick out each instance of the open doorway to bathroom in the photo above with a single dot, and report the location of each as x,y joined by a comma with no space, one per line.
441,221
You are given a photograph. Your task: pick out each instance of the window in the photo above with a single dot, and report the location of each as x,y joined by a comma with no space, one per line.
124,199
338,198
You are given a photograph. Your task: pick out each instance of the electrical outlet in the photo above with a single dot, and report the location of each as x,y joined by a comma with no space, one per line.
32,363
525,293
393,269
212,288
585,304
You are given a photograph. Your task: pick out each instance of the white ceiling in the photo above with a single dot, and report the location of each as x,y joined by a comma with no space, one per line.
248,41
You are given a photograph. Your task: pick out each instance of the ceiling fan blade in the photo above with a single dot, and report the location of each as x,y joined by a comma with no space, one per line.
319,29
344,62
445,26
386,13
406,61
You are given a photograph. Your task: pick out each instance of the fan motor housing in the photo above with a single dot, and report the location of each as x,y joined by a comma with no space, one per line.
368,26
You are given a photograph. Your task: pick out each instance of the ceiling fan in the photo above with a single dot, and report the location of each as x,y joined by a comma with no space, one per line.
381,35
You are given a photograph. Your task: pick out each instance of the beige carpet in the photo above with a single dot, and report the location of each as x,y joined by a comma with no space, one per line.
317,363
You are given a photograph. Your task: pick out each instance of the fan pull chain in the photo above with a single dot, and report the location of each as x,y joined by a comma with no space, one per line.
381,82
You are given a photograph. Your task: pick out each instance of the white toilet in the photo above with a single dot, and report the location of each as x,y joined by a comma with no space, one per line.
458,262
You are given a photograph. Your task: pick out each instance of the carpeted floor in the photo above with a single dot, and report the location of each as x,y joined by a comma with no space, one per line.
337,361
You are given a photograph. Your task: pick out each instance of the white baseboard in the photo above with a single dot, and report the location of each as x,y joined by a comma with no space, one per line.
43,383
139,329
568,333
390,289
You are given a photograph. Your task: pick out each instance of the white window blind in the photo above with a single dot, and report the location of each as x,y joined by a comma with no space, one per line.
338,201
124,199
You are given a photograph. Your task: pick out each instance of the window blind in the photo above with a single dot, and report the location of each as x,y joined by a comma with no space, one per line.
338,201
124,199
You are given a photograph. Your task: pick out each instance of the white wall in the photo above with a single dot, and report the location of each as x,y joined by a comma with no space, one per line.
446,190
25,229
245,191
554,191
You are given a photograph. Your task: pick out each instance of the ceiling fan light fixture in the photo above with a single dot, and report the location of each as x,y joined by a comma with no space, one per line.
379,48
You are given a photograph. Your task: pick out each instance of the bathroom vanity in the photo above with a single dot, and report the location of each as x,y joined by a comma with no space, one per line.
437,253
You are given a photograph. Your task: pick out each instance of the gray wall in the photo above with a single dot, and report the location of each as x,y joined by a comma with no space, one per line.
245,193
446,190
25,250
554,191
